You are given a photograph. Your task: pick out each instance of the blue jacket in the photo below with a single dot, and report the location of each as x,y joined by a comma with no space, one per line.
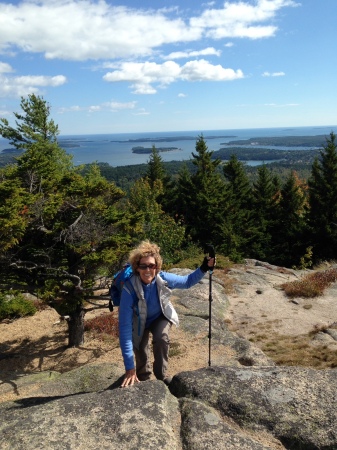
141,304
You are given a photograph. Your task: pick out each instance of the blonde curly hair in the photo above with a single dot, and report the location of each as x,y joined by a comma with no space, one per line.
145,248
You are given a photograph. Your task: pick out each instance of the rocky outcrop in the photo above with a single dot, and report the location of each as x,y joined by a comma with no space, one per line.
243,401
247,408
291,407
144,417
193,310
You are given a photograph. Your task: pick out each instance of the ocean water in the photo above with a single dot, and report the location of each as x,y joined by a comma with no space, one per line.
116,149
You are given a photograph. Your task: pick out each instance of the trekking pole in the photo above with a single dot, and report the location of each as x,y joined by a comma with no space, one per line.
211,253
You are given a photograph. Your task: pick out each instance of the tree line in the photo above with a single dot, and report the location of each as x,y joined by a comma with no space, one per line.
288,222
65,229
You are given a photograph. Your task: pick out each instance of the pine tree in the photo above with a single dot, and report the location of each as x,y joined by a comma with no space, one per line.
155,169
266,192
13,210
156,172
32,126
181,192
65,231
288,242
238,223
156,225
43,162
200,197
322,216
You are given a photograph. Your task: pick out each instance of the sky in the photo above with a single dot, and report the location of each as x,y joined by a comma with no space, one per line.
133,66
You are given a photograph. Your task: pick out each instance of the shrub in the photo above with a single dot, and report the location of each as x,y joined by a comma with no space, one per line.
105,324
14,306
311,285
306,260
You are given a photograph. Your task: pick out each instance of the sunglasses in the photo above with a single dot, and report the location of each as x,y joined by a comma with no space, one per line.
147,266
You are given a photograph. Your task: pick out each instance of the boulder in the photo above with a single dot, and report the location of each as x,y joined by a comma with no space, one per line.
247,408
145,416
296,406
243,401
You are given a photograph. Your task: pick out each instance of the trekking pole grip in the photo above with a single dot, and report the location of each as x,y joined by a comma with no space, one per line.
211,253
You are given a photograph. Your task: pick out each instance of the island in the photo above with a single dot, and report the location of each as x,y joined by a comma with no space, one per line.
69,143
285,141
11,150
265,154
146,150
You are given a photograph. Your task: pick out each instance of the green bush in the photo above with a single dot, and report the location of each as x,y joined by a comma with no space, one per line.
14,305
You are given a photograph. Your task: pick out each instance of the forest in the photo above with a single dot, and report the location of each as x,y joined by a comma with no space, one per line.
65,229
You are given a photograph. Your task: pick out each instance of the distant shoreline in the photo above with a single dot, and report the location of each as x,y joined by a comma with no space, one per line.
115,149
172,139
141,150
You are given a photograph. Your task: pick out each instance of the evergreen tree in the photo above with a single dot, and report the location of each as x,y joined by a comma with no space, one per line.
43,162
65,232
31,126
266,193
238,223
322,216
156,225
289,245
200,197
156,172
178,206
155,169
13,210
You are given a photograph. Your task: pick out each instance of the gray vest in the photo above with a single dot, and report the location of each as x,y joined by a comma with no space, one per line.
140,310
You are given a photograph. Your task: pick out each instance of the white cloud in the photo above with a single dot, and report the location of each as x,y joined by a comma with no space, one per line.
111,106
204,71
79,30
40,80
117,106
229,44
273,74
94,108
181,95
144,75
5,68
141,112
29,84
88,29
192,54
240,19
275,105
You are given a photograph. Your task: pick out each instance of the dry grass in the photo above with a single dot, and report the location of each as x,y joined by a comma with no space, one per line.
312,285
175,349
226,282
297,350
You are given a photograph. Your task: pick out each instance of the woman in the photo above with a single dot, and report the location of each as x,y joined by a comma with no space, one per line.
145,308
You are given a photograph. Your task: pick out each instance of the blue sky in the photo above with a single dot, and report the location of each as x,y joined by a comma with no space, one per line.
134,66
